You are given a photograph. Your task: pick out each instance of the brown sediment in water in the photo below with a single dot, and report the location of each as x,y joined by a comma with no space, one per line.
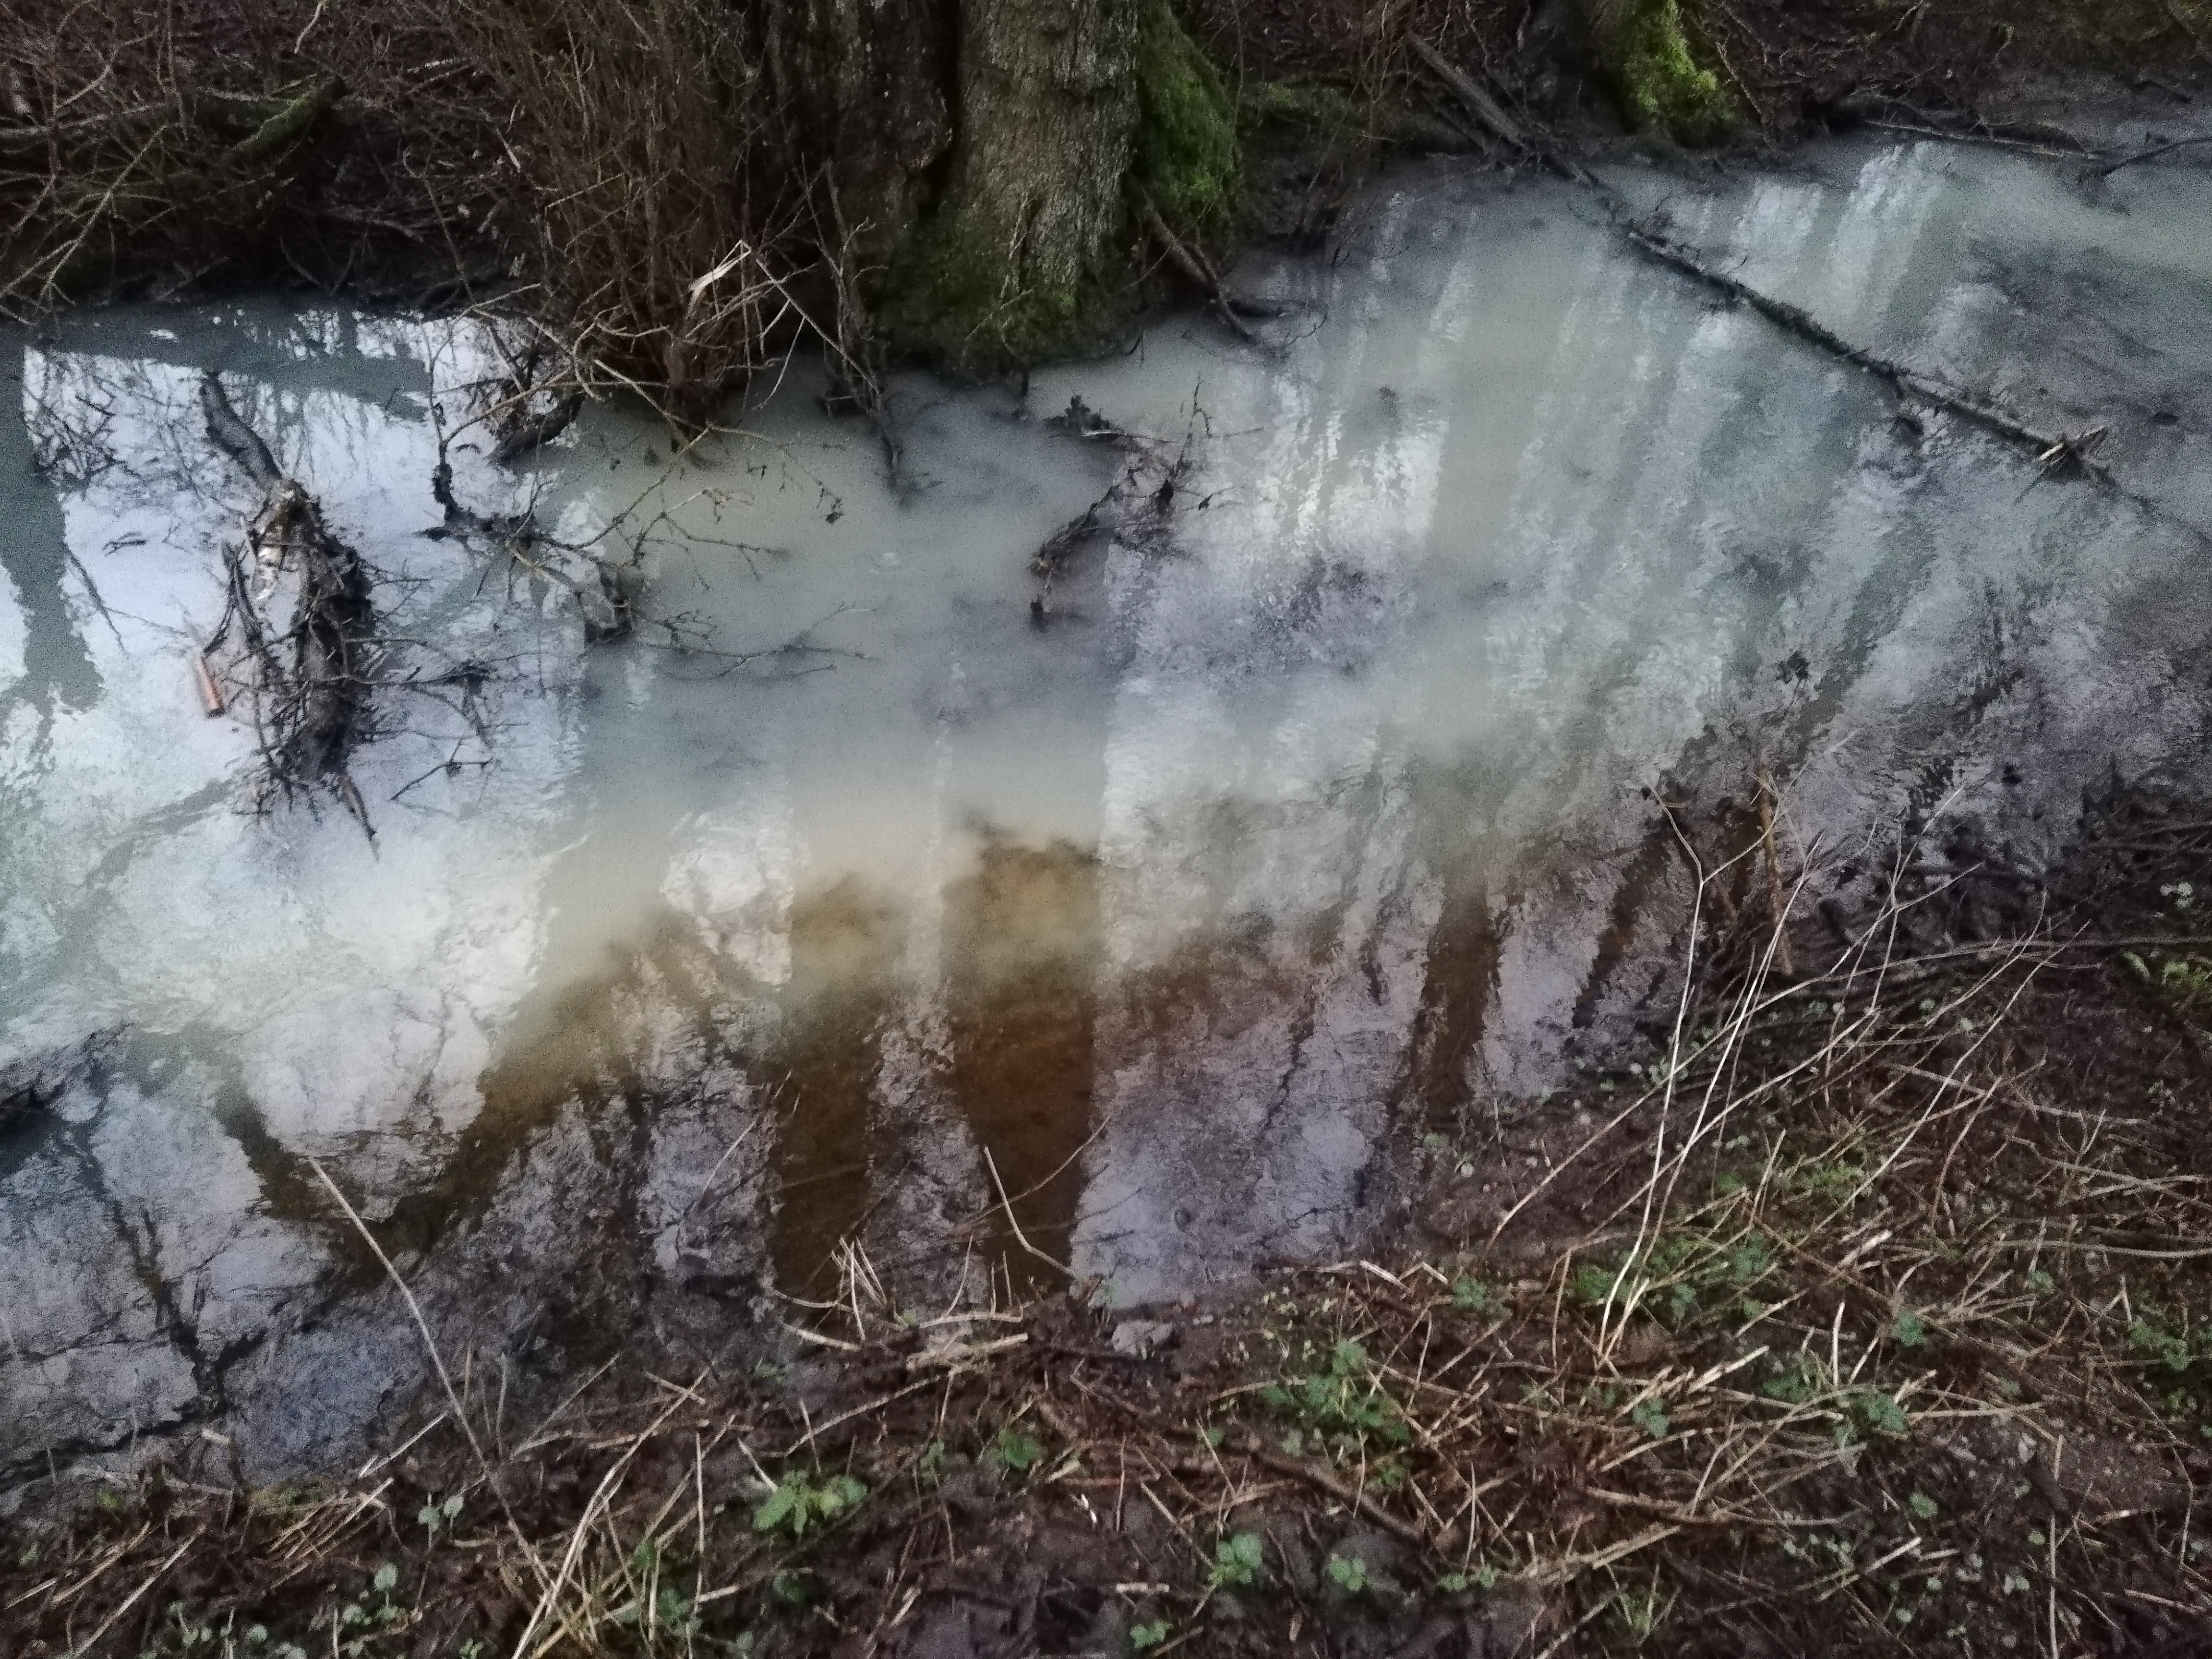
845,956
1023,943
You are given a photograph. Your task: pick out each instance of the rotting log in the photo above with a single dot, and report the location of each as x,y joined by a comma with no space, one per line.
288,122
306,677
1486,110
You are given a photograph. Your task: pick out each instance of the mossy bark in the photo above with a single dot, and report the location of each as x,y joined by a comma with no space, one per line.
1018,260
1655,74
1188,159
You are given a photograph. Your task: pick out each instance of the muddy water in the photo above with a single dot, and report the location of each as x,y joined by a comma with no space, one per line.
1306,810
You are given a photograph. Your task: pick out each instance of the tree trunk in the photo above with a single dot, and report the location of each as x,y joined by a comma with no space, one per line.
1047,105
874,83
1018,260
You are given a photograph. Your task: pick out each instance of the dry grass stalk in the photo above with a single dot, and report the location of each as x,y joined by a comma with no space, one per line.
647,131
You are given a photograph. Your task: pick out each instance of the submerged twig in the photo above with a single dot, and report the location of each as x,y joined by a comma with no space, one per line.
307,673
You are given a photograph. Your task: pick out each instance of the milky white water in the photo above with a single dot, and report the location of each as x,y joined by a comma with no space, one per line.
1306,818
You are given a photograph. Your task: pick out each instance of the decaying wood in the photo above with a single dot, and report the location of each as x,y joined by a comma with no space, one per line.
1488,113
261,125
304,672
210,694
533,426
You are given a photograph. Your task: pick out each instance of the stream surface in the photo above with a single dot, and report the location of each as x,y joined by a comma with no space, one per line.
1303,814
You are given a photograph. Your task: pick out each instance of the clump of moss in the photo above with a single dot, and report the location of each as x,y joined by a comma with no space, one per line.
1188,157
945,306
1661,85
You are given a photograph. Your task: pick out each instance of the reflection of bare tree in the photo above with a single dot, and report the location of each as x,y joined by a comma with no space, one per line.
124,424
302,666
68,427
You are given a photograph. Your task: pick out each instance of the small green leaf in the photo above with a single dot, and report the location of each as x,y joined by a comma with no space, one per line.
1348,1573
1879,1414
1472,1296
1923,1506
1145,1637
780,1505
1909,1328
1016,1450
1238,1559
386,1576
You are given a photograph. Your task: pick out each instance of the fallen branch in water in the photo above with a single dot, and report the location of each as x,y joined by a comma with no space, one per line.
2153,154
2052,450
304,676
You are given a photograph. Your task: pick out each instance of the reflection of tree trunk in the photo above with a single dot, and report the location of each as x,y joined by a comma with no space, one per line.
844,952
1022,942
35,555
1459,984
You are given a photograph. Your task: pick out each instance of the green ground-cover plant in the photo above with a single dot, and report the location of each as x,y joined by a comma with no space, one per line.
1661,85
1345,1406
799,1502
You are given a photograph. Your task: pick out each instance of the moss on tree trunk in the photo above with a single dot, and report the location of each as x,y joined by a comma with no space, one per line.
1655,75
1187,158
1018,260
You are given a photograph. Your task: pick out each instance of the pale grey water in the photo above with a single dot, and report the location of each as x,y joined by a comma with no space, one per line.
1315,817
